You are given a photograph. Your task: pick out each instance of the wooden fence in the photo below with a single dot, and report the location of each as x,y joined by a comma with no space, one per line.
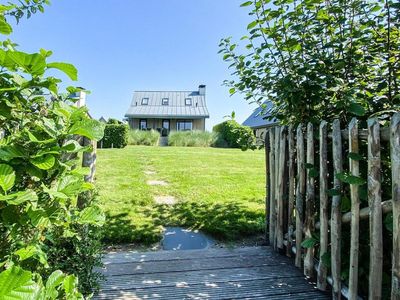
309,172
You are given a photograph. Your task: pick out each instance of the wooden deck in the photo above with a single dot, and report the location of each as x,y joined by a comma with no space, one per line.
242,273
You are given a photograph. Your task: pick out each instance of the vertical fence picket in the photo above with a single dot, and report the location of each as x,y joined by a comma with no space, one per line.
355,210
300,189
310,198
323,209
277,151
89,159
336,217
268,185
375,199
281,184
291,191
272,218
395,158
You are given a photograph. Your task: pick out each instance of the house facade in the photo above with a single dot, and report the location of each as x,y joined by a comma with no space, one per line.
259,120
167,111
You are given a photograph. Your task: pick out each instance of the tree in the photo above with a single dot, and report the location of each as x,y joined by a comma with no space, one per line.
318,59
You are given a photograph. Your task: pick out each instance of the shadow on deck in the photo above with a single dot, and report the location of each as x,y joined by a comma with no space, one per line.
242,273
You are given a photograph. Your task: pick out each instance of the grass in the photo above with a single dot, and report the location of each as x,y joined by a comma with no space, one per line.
143,137
220,191
192,138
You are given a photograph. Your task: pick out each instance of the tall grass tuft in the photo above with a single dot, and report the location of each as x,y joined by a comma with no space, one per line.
192,138
142,137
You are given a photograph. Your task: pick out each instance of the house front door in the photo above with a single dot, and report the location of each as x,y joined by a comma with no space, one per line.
166,127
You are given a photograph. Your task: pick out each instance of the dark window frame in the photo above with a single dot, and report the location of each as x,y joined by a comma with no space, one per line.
166,103
188,101
185,123
145,101
140,124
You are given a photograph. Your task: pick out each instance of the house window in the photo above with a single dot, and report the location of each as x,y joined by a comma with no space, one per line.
145,101
143,124
164,101
184,125
188,101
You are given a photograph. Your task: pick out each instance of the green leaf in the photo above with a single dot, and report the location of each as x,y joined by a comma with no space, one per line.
26,252
356,109
7,177
252,25
345,204
312,172
388,222
326,259
68,69
350,179
92,215
9,152
44,162
17,284
333,192
5,28
53,282
20,197
246,3
89,128
309,242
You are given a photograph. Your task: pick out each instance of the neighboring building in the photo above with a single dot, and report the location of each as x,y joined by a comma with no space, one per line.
168,110
102,120
259,122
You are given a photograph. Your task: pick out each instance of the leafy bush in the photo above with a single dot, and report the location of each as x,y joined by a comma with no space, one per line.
40,177
143,137
318,60
235,135
115,136
191,138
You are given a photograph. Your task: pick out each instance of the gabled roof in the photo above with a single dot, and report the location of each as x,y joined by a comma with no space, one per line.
258,119
176,107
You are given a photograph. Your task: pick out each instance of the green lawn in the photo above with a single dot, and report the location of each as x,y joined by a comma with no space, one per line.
220,191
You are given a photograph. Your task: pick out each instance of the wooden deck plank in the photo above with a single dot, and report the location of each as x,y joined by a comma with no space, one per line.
134,256
243,273
219,275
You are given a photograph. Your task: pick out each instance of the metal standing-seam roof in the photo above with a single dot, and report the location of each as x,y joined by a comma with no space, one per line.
258,119
176,107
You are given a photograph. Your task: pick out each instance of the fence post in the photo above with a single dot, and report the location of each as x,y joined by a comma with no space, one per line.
336,216
272,219
268,185
277,152
291,191
281,184
395,157
89,159
300,190
375,199
323,208
355,210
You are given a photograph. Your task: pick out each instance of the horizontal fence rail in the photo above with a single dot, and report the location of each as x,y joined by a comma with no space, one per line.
334,201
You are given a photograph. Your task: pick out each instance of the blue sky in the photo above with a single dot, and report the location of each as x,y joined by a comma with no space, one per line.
120,46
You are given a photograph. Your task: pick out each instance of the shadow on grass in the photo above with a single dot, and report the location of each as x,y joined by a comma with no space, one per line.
230,221
119,228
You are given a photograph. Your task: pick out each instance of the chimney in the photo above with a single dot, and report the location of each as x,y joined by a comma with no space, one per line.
202,89
80,98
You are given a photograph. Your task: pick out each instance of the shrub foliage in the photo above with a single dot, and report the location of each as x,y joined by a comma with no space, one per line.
235,135
143,137
193,138
40,177
319,59
115,136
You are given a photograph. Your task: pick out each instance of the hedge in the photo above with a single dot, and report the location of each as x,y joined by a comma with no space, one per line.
236,135
115,136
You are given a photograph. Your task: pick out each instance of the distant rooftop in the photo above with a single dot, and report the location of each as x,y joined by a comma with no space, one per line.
171,104
258,119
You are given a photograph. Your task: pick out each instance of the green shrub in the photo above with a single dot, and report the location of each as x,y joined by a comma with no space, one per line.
191,138
115,136
143,137
235,135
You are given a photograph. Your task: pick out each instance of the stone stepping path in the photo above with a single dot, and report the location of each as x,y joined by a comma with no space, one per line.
157,182
169,200
177,238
